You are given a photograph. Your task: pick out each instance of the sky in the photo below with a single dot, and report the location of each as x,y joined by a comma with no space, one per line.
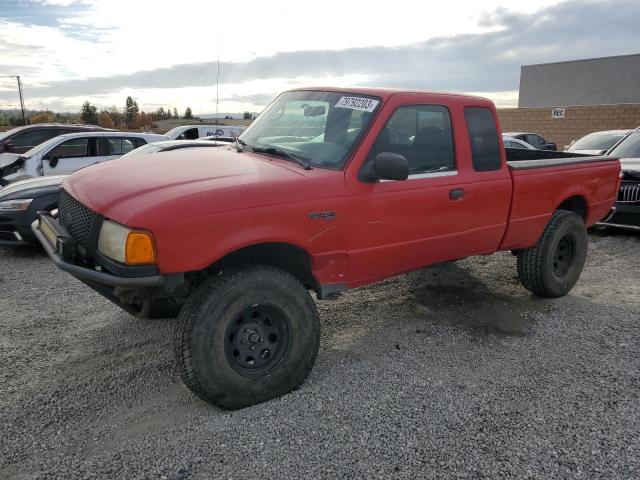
166,53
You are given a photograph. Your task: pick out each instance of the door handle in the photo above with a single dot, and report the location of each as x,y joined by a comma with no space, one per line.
456,194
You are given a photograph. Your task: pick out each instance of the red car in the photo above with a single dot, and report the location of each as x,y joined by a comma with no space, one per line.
328,189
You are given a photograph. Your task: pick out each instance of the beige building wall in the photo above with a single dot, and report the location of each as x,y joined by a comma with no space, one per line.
577,121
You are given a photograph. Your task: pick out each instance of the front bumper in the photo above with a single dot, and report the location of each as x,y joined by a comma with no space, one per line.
59,245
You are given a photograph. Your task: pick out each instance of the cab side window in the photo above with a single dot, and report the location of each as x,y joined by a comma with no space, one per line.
483,137
423,135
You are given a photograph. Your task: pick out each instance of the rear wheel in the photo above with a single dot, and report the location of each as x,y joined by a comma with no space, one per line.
552,267
247,336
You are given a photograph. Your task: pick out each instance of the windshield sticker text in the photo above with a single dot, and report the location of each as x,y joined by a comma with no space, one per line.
357,103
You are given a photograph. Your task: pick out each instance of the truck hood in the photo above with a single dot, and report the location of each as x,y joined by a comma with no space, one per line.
125,188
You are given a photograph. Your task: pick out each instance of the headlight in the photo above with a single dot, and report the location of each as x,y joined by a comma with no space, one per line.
19,205
131,247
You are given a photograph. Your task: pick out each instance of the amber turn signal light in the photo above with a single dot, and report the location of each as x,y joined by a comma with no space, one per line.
140,249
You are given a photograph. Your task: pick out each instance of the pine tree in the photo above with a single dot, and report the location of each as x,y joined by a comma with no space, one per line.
175,113
130,110
89,113
187,114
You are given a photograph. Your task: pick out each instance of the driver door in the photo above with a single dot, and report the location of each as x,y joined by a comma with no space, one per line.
72,155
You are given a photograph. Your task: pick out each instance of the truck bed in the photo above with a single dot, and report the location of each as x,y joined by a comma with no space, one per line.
520,159
544,181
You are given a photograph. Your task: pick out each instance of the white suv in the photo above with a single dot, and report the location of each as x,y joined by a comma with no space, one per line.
67,153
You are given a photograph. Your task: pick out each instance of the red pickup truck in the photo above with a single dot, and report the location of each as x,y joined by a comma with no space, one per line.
328,189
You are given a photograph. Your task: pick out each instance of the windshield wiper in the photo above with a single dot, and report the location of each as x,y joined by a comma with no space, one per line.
283,153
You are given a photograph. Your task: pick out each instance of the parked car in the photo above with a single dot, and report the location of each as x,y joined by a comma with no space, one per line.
23,139
533,139
627,214
512,142
67,153
169,145
193,132
597,143
239,238
20,203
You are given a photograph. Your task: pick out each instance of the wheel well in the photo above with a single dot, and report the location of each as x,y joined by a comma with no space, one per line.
285,256
575,204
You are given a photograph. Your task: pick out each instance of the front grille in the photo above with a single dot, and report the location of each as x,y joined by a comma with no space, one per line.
629,192
75,217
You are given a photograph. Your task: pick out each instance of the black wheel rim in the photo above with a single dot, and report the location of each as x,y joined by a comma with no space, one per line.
257,340
563,256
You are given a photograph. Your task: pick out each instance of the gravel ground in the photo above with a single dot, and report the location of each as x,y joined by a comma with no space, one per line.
454,371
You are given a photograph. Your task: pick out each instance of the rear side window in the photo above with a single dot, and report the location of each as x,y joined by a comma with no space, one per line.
483,137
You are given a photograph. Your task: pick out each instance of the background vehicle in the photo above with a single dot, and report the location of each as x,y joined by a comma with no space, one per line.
512,142
193,132
169,145
238,238
67,153
533,139
627,214
23,139
597,143
20,203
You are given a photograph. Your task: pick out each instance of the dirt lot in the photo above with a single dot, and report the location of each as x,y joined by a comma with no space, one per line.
455,371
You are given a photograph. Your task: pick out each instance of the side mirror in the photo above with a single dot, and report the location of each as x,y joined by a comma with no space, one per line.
53,161
390,166
9,145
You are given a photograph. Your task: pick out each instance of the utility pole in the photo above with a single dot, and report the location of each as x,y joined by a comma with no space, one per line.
17,77
24,117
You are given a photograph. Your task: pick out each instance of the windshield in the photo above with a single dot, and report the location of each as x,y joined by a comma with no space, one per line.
3,134
174,132
319,128
597,141
629,147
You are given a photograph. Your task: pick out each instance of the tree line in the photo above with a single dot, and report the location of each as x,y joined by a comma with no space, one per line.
129,117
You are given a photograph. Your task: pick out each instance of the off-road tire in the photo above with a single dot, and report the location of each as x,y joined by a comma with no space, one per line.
202,345
538,268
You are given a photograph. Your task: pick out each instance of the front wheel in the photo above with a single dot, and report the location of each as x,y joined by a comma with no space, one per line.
553,265
246,336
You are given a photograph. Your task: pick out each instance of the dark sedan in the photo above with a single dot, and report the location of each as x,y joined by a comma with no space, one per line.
20,203
23,139
627,214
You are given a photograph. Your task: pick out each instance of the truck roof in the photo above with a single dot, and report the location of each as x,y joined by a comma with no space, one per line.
385,93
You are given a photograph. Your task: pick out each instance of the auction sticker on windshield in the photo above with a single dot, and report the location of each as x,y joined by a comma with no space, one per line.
358,103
